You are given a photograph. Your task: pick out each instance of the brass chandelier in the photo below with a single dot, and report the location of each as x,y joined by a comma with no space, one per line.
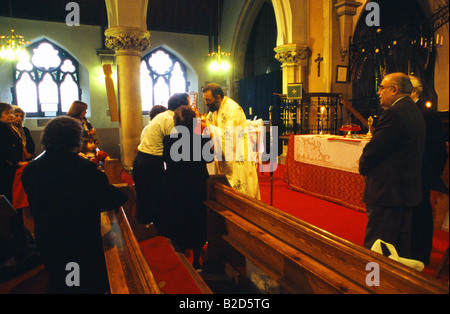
13,46
219,60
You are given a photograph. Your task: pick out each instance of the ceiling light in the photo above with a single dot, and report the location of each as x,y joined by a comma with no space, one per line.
12,47
219,60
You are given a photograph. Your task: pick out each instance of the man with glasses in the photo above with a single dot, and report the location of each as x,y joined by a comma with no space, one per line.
391,164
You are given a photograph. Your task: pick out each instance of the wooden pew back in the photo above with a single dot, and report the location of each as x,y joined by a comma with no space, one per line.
113,170
128,269
301,257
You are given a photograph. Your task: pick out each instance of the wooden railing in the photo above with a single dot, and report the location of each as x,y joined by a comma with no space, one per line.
300,257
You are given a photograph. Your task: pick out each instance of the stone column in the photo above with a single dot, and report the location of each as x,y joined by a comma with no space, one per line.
293,59
346,9
128,43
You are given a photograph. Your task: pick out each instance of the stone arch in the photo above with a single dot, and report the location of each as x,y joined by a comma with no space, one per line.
283,16
240,39
127,13
285,28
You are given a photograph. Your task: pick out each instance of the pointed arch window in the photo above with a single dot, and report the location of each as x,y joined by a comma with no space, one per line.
162,75
47,83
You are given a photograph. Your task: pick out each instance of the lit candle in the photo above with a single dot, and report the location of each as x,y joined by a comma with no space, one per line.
322,109
442,40
437,39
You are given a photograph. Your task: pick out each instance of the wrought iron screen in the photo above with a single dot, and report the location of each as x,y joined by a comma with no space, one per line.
315,113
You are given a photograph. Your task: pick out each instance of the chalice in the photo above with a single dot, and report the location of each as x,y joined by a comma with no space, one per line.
370,122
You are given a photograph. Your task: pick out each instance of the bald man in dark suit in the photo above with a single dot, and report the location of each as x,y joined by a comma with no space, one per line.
391,164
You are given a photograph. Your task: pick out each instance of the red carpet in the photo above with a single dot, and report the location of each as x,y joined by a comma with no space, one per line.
346,223
167,268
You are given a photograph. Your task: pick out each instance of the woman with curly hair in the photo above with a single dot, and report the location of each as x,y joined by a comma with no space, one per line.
66,194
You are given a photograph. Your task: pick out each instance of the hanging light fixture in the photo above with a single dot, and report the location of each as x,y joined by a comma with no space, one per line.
219,60
13,47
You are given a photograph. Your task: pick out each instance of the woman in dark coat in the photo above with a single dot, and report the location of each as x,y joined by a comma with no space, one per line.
67,194
23,131
11,151
185,184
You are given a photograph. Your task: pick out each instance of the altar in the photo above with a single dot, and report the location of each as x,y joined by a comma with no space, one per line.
326,166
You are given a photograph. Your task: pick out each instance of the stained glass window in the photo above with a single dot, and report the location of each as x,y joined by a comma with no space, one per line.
162,75
47,83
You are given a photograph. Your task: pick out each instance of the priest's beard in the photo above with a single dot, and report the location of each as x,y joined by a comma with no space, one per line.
214,106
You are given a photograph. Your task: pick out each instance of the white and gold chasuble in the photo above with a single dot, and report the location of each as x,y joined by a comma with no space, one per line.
230,134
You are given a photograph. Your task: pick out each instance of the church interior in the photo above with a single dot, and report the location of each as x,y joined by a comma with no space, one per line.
308,68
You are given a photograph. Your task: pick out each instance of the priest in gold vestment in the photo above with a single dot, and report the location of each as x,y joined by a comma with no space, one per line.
227,124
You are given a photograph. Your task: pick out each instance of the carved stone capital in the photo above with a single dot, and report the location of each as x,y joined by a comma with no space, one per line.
127,39
346,10
292,54
347,7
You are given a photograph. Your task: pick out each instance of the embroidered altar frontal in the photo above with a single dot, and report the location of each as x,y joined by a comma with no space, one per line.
326,166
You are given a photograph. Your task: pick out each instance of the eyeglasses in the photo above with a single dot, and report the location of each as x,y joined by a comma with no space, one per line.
382,87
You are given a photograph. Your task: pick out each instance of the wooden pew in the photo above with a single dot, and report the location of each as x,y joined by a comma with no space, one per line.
128,270
113,170
300,257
